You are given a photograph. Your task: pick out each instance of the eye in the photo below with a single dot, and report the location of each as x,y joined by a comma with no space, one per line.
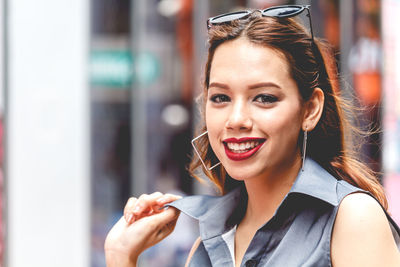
265,99
220,98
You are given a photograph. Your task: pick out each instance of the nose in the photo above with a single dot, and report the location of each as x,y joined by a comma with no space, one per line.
239,118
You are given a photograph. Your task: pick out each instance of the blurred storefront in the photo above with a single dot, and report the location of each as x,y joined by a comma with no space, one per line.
142,60
391,104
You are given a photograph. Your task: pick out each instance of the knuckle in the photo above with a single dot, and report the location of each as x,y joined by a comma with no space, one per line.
143,196
131,200
142,199
156,195
130,203
172,196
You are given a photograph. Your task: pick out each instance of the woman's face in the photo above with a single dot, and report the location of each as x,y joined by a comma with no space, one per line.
253,110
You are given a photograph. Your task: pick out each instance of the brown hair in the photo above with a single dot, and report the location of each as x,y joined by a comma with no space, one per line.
311,65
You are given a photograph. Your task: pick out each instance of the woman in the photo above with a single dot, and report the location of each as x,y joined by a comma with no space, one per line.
293,192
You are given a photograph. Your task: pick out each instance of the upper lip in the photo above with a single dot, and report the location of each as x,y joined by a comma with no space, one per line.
243,139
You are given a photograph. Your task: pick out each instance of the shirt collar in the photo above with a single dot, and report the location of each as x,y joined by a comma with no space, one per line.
315,181
212,210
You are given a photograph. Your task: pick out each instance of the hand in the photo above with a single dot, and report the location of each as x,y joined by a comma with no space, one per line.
145,223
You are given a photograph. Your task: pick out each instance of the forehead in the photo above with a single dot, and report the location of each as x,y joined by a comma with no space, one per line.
243,60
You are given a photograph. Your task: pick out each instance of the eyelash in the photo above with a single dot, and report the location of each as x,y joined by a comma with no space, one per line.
264,98
218,98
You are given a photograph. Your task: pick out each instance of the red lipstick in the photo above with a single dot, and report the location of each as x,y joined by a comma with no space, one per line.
244,155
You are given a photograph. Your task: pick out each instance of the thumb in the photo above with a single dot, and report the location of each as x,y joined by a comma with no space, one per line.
170,214
166,221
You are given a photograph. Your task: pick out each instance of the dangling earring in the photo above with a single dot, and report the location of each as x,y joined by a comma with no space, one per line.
198,154
304,148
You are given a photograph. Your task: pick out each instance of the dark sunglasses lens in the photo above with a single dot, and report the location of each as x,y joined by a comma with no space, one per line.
228,17
283,12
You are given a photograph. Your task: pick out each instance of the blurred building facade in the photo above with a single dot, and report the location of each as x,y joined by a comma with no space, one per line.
142,71
391,104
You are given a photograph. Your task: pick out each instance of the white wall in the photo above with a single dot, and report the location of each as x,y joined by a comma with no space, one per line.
48,158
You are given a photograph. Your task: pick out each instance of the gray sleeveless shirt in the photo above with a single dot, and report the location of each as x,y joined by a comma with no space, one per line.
299,233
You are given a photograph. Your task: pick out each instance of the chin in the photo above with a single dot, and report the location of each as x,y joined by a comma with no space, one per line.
241,173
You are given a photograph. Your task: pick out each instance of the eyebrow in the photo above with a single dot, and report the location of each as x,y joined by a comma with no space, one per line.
264,84
218,85
253,86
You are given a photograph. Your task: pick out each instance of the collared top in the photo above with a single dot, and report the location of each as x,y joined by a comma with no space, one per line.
298,234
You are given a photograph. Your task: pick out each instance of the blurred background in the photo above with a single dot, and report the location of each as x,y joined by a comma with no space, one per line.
97,104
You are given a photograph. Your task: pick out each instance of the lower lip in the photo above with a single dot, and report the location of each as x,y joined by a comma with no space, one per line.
241,156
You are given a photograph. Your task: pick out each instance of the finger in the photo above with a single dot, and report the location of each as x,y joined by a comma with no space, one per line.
145,204
154,228
167,221
131,207
161,224
128,210
167,198
168,215
162,201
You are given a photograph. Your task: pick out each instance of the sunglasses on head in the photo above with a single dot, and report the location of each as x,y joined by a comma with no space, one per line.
287,11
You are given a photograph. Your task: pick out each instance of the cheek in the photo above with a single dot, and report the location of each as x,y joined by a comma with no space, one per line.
213,122
215,118
209,119
288,127
283,122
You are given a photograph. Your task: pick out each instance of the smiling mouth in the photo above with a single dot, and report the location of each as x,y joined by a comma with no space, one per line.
243,148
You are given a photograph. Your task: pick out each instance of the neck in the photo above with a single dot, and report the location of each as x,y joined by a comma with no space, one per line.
266,193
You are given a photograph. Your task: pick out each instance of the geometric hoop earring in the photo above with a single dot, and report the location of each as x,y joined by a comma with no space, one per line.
198,154
304,148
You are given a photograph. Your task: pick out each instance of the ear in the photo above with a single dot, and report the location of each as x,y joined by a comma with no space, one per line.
313,110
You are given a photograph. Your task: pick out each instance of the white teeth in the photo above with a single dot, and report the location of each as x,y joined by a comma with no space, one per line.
242,147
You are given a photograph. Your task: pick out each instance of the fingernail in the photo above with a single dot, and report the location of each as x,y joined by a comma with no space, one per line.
130,216
137,209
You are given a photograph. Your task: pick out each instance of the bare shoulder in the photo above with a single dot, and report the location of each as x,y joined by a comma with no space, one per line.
362,235
194,247
361,210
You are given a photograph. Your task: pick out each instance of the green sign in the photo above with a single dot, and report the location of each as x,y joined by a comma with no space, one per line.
147,68
111,68
118,68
